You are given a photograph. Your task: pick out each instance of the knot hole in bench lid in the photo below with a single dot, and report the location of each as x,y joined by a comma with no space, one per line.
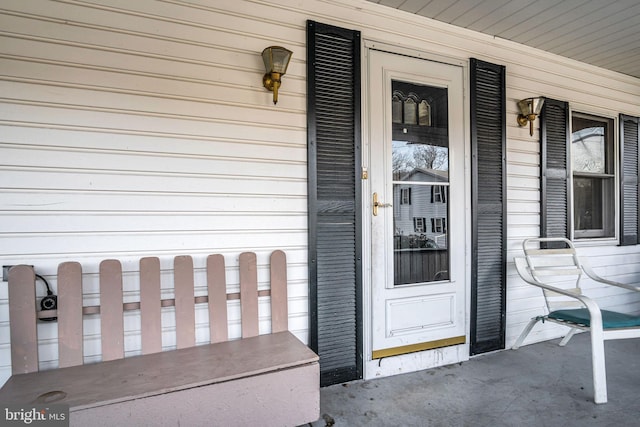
51,397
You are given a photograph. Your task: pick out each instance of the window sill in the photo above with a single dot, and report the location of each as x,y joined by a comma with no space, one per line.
595,241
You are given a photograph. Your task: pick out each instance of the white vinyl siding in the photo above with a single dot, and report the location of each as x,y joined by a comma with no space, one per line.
134,128
142,128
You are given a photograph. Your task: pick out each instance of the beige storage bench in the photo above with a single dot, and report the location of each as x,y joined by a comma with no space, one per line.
270,379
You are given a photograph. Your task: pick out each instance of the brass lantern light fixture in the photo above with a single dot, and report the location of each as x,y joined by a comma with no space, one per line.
529,110
276,60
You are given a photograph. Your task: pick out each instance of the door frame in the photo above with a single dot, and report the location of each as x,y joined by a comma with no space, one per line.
428,358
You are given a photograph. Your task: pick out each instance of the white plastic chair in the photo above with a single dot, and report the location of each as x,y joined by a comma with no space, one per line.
551,269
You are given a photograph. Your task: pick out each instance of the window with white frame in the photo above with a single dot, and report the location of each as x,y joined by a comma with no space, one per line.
438,194
405,196
588,175
419,224
438,225
593,174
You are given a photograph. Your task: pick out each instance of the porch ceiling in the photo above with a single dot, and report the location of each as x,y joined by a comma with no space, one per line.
601,33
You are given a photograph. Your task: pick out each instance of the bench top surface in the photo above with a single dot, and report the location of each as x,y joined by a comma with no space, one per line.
134,377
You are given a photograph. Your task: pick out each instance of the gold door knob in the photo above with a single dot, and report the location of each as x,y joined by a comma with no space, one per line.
377,204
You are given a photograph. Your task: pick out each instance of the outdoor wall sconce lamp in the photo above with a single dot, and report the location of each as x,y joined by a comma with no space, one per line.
276,60
529,110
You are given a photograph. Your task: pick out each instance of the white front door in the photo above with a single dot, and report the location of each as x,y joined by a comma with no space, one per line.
418,215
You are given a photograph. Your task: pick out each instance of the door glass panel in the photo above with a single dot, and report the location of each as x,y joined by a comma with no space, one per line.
420,162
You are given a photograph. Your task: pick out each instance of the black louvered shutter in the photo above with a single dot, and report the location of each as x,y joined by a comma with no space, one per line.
488,145
555,220
629,180
333,119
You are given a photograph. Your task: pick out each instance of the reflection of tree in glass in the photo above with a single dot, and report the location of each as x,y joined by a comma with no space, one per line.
430,157
401,161
588,150
421,156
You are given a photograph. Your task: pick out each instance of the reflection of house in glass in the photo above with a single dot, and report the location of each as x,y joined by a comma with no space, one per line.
420,219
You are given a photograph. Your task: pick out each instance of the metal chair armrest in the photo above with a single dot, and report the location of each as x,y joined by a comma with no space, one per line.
586,267
591,305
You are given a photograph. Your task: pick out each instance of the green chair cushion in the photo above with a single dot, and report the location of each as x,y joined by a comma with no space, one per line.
610,319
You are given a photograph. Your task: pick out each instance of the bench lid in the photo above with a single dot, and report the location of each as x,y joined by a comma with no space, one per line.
135,377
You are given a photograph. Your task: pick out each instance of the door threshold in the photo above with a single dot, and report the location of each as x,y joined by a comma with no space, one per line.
412,348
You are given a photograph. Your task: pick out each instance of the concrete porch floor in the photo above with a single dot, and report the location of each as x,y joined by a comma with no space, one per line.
537,385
